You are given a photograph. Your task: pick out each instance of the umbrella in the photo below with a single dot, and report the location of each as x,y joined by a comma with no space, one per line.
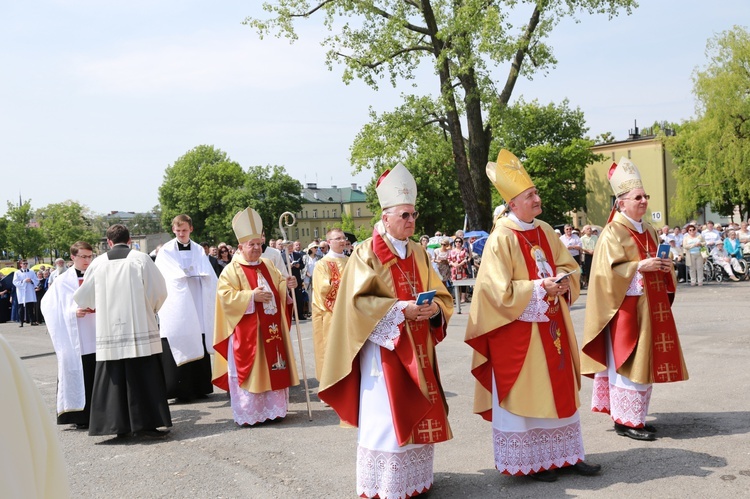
38,266
434,242
478,245
475,233
7,270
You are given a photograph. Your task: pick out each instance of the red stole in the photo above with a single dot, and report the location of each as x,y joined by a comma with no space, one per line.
330,297
418,417
264,327
624,327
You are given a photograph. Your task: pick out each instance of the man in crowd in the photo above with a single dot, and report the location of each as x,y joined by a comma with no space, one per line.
380,371
186,319
26,281
326,281
254,362
275,256
588,243
572,242
525,351
72,330
59,269
711,236
126,290
630,337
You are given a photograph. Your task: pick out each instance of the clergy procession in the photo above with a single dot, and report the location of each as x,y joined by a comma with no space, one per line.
131,334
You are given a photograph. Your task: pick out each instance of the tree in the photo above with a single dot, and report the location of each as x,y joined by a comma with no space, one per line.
549,142
64,223
23,240
713,150
271,192
465,40
203,183
347,225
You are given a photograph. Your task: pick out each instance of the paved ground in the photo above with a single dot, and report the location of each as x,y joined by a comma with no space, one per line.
702,450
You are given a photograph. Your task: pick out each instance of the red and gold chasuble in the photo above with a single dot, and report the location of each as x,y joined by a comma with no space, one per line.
508,350
266,328
624,328
330,299
416,397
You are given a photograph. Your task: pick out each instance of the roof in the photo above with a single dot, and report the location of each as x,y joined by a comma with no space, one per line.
333,195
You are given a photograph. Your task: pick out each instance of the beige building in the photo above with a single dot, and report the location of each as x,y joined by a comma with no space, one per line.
322,208
657,172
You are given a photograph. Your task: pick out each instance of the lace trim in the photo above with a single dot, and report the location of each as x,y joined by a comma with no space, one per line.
538,449
636,285
626,406
386,331
251,408
538,305
394,474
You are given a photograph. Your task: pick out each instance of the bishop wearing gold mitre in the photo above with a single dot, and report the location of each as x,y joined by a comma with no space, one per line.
381,372
525,352
629,337
254,362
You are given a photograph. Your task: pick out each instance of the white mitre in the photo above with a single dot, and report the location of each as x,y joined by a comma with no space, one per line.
247,225
624,177
396,187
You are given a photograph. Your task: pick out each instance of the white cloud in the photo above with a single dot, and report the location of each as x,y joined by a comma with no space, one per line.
202,63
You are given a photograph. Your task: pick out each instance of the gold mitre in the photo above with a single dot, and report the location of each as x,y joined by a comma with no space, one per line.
396,187
247,225
624,177
508,175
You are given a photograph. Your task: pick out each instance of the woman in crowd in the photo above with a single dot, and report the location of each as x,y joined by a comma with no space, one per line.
441,258
224,256
743,235
458,258
692,243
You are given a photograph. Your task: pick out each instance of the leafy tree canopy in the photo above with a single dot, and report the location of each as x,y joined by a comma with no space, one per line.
465,42
271,192
23,240
65,223
713,151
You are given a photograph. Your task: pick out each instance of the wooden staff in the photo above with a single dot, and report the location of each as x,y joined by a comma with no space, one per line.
283,221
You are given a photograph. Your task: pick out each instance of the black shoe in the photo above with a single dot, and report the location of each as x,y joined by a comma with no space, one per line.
585,469
547,476
634,433
21,325
81,426
154,434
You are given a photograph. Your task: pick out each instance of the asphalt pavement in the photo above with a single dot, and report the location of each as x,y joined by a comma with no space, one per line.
702,448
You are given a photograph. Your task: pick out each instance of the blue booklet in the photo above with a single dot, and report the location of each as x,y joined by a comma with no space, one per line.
663,251
425,297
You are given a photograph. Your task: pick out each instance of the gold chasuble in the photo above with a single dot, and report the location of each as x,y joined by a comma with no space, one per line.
373,281
535,364
262,348
642,329
326,282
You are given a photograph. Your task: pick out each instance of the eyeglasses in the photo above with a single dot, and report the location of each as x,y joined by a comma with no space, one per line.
405,215
640,196
85,257
689,230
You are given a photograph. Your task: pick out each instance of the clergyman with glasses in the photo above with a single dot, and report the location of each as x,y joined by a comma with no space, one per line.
381,372
630,337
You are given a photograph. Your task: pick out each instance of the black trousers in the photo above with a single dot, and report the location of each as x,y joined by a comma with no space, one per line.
27,312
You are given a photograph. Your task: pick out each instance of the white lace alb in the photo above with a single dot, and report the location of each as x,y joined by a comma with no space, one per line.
386,330
537,308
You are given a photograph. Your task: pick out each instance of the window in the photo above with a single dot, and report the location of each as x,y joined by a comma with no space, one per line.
613,157
334,213
315,214
316,233
628,153
358,212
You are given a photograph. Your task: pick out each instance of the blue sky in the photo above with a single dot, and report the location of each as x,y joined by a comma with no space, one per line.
98,97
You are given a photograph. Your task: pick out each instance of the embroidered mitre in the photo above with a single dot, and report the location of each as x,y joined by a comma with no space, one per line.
508,175
396,187
624,177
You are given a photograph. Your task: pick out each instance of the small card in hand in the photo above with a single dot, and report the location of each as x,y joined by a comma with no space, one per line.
425,297
663,251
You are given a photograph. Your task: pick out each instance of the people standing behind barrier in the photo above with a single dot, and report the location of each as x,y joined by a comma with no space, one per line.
694,244
722,258
588,243
458,259
630,336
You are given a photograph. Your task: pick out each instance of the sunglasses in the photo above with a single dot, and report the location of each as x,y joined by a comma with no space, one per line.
640,196
405,215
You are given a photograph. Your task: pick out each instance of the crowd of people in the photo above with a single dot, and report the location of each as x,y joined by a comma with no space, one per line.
132,333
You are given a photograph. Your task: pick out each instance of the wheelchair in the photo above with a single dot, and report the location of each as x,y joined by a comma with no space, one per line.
712,271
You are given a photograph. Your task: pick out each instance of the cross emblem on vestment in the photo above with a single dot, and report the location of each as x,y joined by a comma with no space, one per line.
657,284
422,356
664,343
665,372
662,312
429,430
119,322
432,393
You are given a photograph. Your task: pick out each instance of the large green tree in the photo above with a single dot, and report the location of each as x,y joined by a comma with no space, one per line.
465,41
23,239
63,224
203,184
270,191
713,150
549,141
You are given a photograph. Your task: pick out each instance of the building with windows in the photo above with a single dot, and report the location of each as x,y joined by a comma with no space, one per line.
322,208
